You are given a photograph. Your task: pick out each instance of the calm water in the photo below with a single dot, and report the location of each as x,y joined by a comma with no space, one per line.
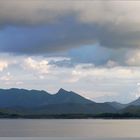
70,129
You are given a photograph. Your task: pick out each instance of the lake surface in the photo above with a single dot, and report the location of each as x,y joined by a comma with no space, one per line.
69,129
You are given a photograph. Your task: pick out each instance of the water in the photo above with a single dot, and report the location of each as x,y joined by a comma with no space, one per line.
69,129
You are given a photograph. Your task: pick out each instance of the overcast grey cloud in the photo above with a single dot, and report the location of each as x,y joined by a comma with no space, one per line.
113,24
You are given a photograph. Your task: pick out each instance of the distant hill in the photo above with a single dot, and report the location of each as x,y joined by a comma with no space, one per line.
131,109
117,105
41,102
136,102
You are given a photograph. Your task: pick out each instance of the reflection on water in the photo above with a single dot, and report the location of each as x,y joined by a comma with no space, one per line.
72,129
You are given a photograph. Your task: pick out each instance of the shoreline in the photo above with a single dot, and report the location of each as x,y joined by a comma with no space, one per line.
72,116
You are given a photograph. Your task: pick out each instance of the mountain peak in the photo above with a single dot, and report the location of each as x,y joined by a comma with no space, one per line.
61,90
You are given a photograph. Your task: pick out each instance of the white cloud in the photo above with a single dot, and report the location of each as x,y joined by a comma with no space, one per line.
111,63
138,84
19,83
7,77
137,91
41,66
3,65
104,72
133,58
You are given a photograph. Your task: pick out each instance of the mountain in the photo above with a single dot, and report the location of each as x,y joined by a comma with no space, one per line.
117,105
22,98
136,102
63,96
132,107
135,110
32,98
74,108
41,102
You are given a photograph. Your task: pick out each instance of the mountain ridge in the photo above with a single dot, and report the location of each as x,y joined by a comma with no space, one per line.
41,101
63,102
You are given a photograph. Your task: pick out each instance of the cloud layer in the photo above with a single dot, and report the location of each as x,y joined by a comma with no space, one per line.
112,24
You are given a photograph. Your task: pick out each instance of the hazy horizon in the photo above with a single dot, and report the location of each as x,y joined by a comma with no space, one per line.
89,47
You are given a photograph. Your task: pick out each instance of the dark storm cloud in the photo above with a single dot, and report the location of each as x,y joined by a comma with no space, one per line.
44,27
62,37
48,39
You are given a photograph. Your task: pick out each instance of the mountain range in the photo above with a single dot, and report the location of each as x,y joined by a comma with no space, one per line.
36,102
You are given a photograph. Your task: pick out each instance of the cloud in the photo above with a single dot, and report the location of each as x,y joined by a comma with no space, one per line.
44,11
117,72
3,65
30,12
9,80
133,58
40,66
8,77
44,67
89,80
43,27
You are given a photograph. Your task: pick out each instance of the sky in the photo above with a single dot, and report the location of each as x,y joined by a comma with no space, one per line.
90,47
